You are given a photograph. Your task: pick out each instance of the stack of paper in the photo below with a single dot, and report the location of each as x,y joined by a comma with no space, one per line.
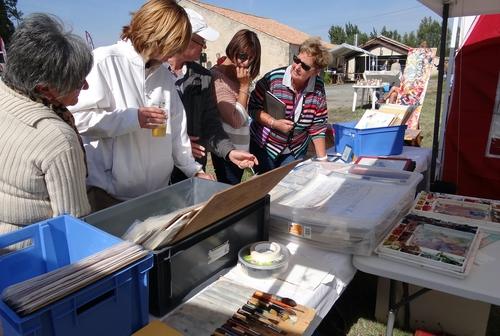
30,295
386,115
374,119
157,231
340,208
401,113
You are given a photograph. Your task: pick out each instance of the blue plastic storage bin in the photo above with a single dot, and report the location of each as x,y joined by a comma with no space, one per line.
114,305
369,141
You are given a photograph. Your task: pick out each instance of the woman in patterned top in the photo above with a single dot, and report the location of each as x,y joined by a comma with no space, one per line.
298,86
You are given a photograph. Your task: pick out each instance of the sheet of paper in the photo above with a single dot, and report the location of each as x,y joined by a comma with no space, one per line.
374,119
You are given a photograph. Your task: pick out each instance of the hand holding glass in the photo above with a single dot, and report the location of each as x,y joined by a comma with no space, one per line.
161,129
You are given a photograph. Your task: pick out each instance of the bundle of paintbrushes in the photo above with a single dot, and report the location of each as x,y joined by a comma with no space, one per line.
267,315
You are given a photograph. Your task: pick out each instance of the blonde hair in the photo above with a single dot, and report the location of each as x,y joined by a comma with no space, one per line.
313,47
159,27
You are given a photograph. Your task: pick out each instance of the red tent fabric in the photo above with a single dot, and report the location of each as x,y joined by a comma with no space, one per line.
472,156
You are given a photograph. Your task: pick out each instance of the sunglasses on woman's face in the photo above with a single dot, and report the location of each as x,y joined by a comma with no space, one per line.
242,56
304,66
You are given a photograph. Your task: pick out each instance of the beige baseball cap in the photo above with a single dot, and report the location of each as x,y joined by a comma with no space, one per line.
200,26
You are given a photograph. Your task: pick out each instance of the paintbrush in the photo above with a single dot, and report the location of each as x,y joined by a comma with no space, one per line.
269,297
222,332
244,326
261,321
283,313
271,307
236,330
260,313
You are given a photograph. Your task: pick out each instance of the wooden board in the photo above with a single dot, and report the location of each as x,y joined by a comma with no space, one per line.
304,317
156,328
228,201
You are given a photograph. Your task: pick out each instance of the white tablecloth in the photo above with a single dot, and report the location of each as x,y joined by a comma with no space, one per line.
314,278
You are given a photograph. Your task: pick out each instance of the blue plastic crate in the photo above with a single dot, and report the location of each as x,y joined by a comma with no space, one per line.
370,141
114,305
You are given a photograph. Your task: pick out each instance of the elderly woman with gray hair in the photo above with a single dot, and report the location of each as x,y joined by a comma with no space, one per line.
42,161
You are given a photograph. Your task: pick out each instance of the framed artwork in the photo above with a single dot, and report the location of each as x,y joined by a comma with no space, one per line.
347,154
385,162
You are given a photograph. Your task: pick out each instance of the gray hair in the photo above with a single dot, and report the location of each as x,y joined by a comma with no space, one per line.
41,52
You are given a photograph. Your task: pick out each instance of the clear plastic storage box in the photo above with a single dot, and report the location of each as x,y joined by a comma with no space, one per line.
344,208
182,266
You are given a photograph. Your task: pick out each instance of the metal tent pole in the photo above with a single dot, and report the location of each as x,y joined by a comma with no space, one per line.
437,114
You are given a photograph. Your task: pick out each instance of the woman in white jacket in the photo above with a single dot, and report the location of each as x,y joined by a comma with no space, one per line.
116,115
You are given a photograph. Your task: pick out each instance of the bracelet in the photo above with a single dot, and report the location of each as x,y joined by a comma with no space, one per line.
244,91
323,158
272,123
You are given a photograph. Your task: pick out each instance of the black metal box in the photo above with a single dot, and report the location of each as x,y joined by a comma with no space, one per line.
181,267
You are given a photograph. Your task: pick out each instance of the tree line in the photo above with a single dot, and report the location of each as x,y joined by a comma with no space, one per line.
429,31
8,12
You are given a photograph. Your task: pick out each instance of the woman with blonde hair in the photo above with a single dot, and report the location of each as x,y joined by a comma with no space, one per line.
132,119
276,142
232,80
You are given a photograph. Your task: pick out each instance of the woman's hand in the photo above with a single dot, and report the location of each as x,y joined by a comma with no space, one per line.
197,150
242,159
151,117
205,176
283,125
243,77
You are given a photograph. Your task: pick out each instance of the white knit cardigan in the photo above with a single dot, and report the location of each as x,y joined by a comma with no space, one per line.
42,169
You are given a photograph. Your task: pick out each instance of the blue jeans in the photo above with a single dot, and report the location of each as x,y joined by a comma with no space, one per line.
226,171
266,163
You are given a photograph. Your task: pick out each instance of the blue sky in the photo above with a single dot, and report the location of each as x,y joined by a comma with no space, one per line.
104,18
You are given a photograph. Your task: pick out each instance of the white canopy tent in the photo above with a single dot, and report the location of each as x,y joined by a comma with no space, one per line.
457,8
344,49
447,9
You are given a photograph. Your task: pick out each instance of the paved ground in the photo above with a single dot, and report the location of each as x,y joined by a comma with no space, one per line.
339,95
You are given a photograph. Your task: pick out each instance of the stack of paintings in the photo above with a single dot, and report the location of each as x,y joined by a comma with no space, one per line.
481,212
437,245
442,232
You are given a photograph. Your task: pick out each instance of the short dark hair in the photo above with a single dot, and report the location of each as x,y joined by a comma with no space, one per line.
245,39
42,52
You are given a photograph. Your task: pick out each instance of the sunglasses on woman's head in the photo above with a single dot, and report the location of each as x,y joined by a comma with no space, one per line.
242,56
304,66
